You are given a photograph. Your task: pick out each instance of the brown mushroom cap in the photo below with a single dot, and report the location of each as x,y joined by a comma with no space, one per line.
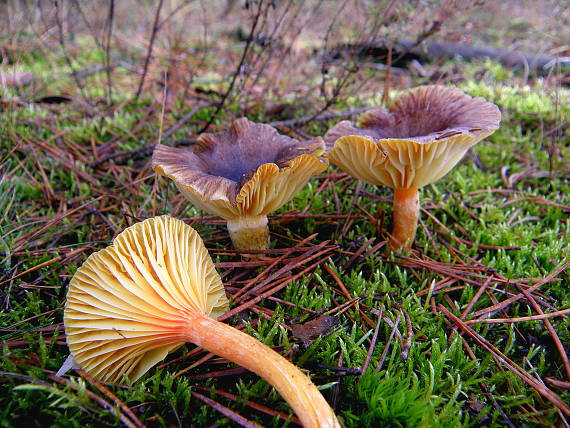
423,136
249,170
127,305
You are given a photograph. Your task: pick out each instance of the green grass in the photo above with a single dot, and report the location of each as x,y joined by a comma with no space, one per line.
438,384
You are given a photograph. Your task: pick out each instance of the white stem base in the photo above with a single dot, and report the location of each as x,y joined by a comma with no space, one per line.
249,233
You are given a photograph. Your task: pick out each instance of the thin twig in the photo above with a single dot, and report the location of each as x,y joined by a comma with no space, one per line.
555,338
511,300
385,352
520,319
230,414
322,116
252,404
110,20
106,405
409,334
373,343
109,394
65,52
238,71
522,374
272,291
150,48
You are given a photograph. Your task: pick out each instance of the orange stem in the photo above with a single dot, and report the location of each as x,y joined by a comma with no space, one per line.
293,385
406,215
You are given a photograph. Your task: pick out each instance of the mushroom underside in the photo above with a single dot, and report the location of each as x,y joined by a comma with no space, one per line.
399,163
127,305
154,289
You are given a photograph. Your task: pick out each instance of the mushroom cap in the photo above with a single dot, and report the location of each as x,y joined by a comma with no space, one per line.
248,170
128,304
419,140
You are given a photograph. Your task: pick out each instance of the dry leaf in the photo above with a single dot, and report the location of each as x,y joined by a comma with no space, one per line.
314,328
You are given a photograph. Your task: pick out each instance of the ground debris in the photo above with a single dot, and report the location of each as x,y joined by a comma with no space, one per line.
314,328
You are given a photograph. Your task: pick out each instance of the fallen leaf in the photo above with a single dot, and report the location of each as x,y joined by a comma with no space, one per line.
314,328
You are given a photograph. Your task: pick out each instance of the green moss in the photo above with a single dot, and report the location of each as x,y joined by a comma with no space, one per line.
438,384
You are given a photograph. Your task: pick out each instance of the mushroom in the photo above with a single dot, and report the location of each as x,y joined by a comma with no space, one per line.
242,175
154,289
416,142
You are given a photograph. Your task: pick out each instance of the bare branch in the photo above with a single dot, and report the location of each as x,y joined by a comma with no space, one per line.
110,19
239,67
150,48
65,52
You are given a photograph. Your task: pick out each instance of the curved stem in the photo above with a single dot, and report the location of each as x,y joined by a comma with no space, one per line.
293,385
249,233
406,215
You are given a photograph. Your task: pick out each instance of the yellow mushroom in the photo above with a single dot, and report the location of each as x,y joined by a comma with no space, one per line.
151,291
423,135
242,175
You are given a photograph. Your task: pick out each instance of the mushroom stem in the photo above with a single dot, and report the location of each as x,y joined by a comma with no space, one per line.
249,233
293,385
406,215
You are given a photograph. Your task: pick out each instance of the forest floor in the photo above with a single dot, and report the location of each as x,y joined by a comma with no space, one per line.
470,328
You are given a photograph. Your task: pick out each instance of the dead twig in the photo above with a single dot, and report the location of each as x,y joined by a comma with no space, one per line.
155,28
555,338
259,407
373,343
409,334
230,414
385,352
520,319
138,423
238,70
322,116
512,366
110,21
65,51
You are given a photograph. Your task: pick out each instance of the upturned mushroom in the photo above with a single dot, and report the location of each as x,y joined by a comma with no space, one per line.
154,289
242,175
423,135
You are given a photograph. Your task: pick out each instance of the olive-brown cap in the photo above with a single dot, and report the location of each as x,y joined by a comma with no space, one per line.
248,170
127,305
423,136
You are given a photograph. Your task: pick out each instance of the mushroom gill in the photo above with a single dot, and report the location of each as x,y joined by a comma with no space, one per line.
423,135
151,291
242,175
